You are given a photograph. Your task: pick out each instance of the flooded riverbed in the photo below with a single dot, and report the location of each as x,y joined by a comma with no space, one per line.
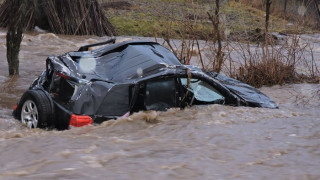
202,142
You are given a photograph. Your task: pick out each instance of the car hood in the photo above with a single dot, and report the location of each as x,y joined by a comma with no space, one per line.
250,95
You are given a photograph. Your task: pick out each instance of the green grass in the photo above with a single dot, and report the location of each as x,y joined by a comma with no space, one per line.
244,18
134,27
148,18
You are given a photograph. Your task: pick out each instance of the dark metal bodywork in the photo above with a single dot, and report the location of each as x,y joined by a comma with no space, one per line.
125,77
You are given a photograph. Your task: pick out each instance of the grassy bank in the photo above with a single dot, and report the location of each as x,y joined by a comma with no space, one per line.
158,17
149,18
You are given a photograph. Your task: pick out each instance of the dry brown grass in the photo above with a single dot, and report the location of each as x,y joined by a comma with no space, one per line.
270,72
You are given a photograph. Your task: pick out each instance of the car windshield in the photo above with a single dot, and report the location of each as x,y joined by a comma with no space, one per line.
202,91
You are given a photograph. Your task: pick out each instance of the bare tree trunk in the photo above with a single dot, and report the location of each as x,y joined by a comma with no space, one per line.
285,7
14,38
219,53
14,35
265,50
217,65
316,7
268,4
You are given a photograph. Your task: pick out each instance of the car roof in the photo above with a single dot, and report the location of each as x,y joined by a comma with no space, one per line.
111,47
126,60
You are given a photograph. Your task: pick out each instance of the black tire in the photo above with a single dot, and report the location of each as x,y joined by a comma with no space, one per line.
35,106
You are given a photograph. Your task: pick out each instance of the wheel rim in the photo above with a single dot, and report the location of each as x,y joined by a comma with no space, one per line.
29,114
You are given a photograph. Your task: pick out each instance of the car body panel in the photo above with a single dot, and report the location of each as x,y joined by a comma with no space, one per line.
131,76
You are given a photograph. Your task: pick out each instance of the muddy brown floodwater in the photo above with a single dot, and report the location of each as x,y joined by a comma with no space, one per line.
202,142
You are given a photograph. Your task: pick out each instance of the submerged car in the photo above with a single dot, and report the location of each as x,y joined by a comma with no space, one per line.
117,79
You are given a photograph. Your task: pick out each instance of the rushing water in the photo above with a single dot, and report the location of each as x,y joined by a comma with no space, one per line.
202,142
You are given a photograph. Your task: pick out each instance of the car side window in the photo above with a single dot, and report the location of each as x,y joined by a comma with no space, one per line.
202,90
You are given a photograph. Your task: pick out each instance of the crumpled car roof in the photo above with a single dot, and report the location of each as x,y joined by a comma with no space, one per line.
122,61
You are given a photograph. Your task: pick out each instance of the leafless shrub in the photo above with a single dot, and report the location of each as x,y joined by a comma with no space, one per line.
188,34
81,17
275,64
256,57
215,20
188,45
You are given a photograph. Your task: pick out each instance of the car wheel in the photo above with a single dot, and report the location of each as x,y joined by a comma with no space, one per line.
35,111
